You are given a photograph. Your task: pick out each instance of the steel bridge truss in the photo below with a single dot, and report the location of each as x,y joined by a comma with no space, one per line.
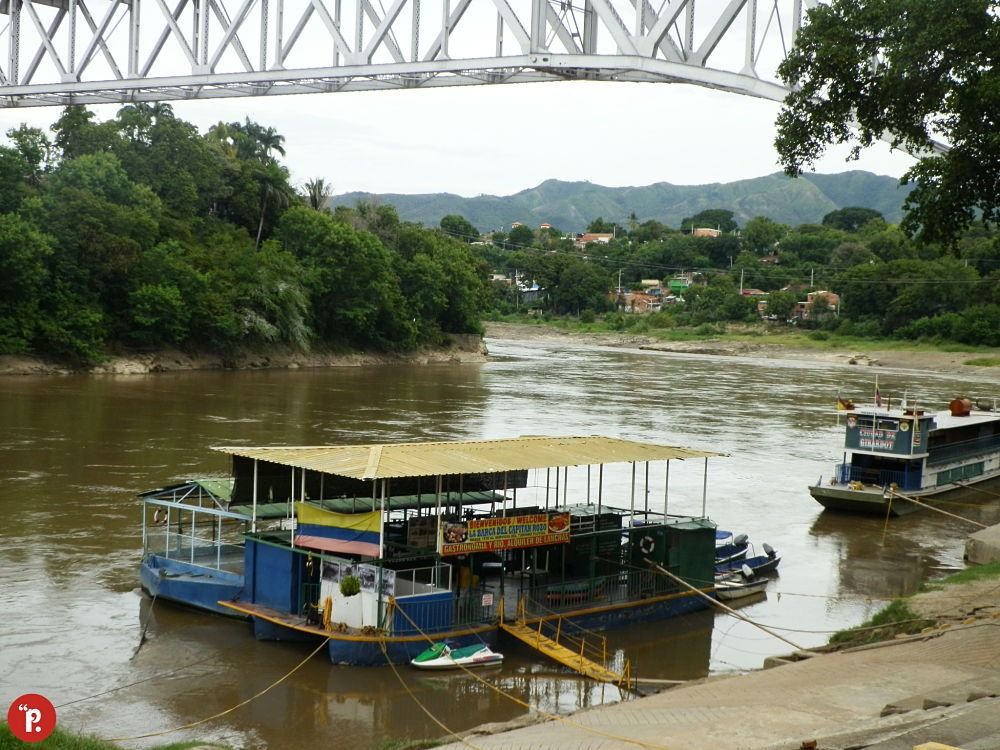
56,52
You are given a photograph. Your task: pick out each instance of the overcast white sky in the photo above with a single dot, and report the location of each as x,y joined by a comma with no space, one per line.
501,139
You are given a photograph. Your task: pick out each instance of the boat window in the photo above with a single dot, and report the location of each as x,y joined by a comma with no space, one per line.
888,424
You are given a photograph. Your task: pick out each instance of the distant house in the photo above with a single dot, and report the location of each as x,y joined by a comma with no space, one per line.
769,260
804,309
751,292
516,224
601,238
545,225
705,232
501,278
530,293
637,302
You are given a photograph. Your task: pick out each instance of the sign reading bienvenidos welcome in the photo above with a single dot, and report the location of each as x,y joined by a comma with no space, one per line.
511,532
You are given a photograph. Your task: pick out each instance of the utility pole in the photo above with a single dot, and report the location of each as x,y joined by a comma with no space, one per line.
741,281
619,281
812,276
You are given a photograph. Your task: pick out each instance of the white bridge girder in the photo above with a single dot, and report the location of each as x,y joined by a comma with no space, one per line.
58,52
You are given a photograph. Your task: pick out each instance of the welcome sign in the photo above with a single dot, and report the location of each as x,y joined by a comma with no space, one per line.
511,532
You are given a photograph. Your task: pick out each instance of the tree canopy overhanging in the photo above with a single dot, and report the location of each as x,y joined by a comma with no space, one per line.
917,72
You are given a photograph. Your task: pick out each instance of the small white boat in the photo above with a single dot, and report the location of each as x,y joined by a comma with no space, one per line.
441,656
739,585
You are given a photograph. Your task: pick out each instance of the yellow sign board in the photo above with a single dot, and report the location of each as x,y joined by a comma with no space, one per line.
510,532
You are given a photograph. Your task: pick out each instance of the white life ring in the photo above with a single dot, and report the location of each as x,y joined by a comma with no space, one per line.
160,516
647,545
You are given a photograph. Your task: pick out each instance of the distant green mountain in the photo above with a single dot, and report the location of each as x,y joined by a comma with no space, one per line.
570,206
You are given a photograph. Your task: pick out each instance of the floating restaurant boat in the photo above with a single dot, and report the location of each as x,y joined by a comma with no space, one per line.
894,453
381,549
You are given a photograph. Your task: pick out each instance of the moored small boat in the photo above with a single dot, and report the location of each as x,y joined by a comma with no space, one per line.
739,585
759,565
441,656
729,548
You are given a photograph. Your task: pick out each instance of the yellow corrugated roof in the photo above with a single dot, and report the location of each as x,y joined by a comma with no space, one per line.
395,460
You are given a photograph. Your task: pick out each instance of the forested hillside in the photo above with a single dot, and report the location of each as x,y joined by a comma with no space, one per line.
572,205
141,232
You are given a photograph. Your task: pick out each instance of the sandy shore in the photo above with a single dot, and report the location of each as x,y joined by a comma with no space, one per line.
934,361
467,348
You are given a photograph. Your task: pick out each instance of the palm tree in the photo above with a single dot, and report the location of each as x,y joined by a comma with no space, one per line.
275,192
318,193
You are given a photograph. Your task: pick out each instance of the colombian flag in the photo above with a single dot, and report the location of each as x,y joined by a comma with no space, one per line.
354,533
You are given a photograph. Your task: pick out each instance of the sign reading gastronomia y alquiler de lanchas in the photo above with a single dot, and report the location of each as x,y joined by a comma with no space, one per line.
510,532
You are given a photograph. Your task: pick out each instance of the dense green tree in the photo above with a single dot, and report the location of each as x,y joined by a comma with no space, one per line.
521,236
24,252
581,286
761,234
600,226
36,150
851,219
781,305
713,218
354,294
915,71
459,227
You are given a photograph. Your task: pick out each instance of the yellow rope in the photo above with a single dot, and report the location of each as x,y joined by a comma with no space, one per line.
523,704
416,700
228,710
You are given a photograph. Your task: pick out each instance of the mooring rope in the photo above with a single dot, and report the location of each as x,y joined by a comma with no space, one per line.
228,710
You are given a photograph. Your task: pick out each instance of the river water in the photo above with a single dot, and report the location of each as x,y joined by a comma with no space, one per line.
74,451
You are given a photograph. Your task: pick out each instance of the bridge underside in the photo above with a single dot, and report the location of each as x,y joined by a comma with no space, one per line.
62,52
526,69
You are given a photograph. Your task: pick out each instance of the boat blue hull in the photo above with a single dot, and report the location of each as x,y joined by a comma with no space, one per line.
190,585
637,612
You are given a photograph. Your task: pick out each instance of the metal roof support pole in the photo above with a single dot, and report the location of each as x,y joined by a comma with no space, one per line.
504,511
437,532
302,492
547,470
600,486
631,505
704,489
291,495
193,514
145,541
253,516
646,505
557,492
374,491
666,489
588,484
565,485
381,527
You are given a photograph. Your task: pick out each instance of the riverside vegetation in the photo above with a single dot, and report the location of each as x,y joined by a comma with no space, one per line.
142,233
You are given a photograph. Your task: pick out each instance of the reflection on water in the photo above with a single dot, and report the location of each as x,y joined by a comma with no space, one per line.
76,450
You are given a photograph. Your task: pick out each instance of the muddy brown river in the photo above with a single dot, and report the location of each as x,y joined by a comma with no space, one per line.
74,451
